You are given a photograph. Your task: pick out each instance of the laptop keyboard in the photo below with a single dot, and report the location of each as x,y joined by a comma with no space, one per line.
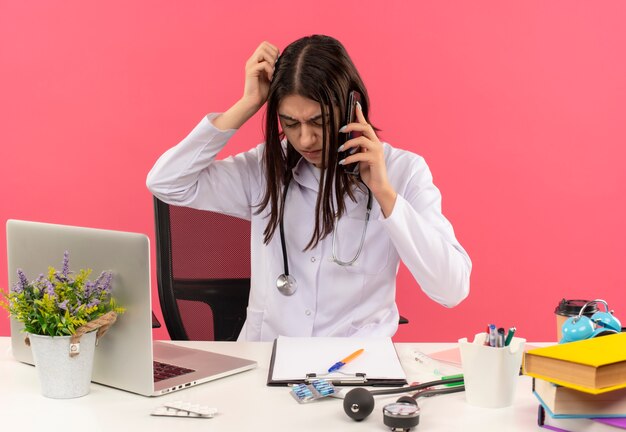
164,371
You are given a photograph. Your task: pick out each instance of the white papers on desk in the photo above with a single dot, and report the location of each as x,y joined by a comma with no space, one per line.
426,368
294,358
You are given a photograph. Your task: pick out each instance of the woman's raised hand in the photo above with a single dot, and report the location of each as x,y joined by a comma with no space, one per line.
259,74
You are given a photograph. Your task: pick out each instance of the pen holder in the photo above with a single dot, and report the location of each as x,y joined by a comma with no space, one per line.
490,373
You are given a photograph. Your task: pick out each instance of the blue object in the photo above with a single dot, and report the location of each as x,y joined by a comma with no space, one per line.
582,327
607,320
336,366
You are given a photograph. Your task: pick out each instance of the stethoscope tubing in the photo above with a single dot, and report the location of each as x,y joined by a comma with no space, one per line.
422,386
285,283
358,252
281,228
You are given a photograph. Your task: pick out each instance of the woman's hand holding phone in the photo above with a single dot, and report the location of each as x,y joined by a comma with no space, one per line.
354,99
371,159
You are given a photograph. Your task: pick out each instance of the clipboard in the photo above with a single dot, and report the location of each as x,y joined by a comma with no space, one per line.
298,360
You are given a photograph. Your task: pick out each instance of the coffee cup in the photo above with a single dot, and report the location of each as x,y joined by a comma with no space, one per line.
571,308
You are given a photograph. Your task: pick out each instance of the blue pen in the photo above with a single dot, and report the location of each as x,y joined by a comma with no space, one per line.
492,335
341,363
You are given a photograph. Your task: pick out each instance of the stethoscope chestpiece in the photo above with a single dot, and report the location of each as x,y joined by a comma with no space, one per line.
286,284
402,415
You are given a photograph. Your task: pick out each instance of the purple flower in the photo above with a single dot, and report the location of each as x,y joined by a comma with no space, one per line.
49,288
93,303
63,305
66,264
89,288
106,286
99,280
103,283
21,283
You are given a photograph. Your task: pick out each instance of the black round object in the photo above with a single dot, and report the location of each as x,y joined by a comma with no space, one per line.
569,308
358,403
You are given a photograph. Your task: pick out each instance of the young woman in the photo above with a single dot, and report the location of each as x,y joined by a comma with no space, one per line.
326,244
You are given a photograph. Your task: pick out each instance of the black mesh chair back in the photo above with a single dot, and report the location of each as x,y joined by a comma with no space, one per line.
203,272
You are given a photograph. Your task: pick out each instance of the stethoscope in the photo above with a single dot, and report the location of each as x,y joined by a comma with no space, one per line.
286,283
403,414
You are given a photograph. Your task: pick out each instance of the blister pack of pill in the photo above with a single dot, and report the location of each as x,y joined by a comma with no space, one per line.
184,409
315,390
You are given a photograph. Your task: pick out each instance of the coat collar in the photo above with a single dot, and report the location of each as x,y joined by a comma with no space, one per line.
304,174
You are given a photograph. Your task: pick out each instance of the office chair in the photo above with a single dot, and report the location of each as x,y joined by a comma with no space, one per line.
203,272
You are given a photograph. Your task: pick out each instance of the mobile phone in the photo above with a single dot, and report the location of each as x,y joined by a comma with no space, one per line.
353,98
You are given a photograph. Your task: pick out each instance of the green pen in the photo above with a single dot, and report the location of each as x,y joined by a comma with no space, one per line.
453,377
509,336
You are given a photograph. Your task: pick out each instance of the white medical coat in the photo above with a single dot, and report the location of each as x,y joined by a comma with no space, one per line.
331,300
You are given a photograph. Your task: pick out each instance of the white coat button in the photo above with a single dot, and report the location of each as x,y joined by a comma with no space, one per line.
307,312
312,259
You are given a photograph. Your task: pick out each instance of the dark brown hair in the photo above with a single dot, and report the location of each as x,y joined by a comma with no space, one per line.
318,68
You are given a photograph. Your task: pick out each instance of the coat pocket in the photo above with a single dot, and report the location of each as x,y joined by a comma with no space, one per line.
251,330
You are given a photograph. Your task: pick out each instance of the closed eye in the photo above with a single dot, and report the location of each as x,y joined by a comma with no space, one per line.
288,122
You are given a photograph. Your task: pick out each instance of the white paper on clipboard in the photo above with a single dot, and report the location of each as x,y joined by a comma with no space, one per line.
295,358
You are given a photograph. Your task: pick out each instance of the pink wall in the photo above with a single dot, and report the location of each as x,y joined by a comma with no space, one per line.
518,108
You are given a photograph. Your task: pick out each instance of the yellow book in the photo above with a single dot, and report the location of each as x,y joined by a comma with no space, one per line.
594,365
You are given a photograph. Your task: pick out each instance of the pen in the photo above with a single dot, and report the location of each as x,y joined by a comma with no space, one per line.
492,335
348,359
509,336
500,339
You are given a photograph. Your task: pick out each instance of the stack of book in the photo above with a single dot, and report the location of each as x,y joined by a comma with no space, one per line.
580,386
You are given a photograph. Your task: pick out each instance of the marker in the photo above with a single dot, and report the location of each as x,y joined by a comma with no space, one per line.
348,359
500,338
455,378
509,336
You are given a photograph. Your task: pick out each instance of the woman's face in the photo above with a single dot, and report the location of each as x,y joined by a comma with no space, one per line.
302,122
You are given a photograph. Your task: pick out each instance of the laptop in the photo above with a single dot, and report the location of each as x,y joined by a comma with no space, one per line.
126,355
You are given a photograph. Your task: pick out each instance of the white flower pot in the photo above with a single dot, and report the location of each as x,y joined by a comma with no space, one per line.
62,376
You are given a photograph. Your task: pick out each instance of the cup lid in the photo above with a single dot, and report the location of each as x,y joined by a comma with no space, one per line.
572,307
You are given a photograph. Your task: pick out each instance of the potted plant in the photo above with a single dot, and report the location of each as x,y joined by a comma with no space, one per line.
63,313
